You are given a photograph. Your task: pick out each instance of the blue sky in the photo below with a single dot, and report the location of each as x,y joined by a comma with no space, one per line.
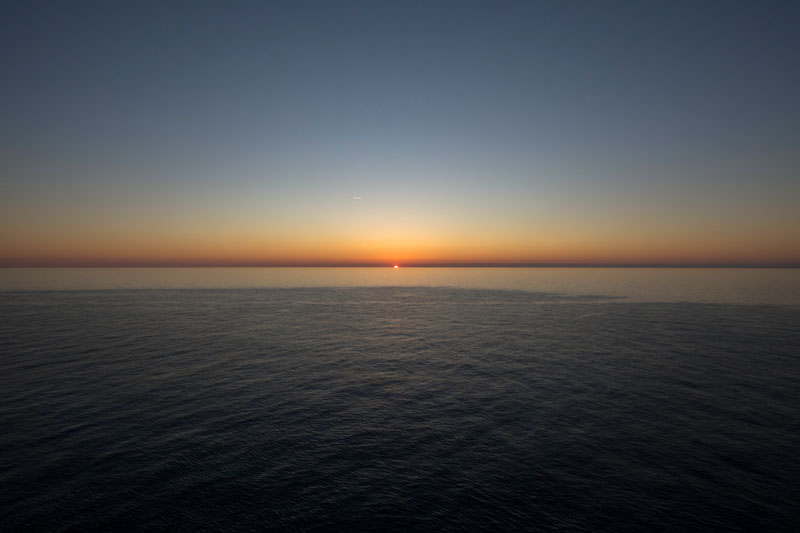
505,131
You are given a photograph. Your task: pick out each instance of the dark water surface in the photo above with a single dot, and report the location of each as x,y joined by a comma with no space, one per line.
395,408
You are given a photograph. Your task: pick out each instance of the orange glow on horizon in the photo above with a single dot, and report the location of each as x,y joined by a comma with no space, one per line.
380,246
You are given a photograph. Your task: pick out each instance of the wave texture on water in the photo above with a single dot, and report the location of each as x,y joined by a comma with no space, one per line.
395,408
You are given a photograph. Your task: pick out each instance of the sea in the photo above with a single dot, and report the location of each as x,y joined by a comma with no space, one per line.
410,399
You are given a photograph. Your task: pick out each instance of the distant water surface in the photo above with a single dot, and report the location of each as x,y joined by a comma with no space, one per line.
417,399
709,285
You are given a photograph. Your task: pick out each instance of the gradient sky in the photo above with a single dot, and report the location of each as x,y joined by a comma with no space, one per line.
199,133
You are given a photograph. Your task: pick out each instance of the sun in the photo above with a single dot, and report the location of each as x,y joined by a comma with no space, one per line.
397,266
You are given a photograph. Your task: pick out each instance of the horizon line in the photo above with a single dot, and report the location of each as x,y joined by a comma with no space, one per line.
159,264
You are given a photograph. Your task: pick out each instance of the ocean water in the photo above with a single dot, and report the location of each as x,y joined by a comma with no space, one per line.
417,399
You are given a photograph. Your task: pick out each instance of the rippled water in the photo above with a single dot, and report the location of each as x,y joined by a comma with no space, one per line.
395,408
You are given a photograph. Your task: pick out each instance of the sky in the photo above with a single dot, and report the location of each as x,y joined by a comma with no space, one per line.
414,133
